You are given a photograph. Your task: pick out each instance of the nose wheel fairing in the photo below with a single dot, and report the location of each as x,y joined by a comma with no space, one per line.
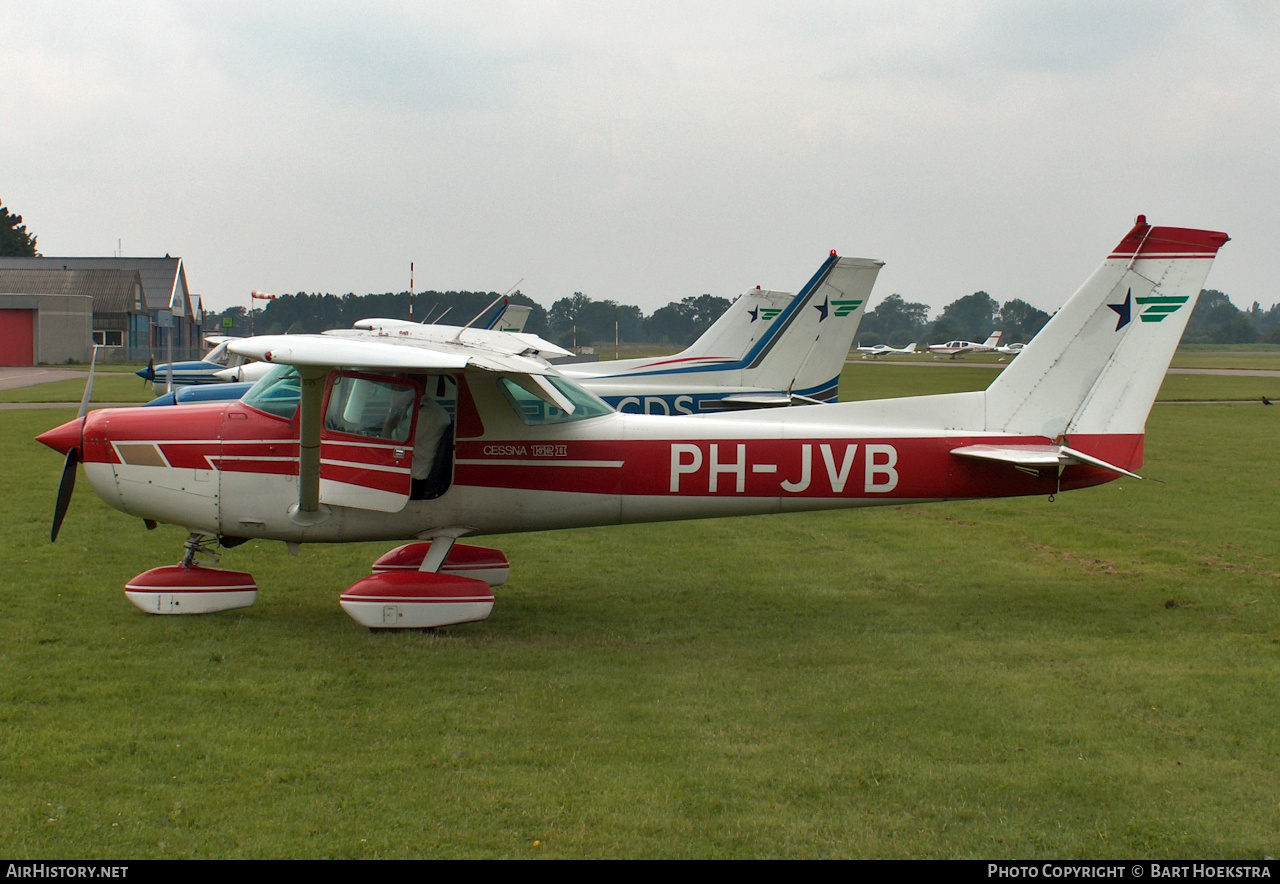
191,589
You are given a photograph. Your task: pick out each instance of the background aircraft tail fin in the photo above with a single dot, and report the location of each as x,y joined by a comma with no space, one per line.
748,318
811,343
1097,365
511,318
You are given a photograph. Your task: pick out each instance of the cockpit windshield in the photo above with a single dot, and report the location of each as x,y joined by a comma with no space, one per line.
277,393
217,356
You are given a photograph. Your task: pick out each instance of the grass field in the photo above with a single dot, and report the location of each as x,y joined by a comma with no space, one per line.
106,388
1265,356
1093,677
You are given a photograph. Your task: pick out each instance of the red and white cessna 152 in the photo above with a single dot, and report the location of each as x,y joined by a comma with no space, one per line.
344,441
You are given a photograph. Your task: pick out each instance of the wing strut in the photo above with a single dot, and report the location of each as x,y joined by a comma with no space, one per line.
309,510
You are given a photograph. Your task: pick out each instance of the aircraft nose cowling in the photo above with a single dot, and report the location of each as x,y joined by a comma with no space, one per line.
147,374
62,439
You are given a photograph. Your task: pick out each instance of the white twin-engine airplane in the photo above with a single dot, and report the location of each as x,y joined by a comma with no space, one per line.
959,348
878,350
356,440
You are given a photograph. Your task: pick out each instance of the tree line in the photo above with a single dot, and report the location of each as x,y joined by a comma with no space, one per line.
582,320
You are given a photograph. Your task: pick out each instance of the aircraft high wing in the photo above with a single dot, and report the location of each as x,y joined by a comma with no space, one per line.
879,350
331,447
955,349
508,318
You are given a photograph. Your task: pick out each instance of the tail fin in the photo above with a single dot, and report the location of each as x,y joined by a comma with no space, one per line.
1097,365
910,348
739,328
811,340
994,340
511,318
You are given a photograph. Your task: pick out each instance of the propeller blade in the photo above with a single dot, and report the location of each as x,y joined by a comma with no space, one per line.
65,488
88,386
151,371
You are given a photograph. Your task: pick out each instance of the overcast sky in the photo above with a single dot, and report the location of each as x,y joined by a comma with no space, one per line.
642,155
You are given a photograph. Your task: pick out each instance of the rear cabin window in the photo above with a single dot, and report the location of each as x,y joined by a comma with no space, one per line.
535,411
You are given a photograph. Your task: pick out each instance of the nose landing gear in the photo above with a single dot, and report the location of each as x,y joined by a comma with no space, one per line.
188,588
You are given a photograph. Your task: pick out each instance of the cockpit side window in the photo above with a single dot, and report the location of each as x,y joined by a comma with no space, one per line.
218,355
378,408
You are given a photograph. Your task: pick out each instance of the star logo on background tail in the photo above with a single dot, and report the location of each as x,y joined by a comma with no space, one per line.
754,313
1122,310
823,308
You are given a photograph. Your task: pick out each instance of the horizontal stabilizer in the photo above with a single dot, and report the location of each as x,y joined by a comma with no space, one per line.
742,401
1037,456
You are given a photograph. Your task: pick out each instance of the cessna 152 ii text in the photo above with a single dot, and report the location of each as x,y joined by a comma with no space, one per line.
324,449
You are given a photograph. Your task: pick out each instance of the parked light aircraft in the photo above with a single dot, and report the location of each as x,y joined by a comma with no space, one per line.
955,349
196,371
764,351
323,450
1010,349
879,350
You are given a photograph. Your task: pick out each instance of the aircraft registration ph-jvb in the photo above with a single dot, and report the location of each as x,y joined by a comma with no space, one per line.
324,449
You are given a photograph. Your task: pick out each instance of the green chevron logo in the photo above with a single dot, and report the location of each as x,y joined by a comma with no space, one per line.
1157,308
767,313
844,308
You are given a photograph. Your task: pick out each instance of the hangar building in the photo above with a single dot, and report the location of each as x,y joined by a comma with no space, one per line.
54,309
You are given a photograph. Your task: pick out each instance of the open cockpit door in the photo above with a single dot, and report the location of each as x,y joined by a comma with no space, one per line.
354,449
366,441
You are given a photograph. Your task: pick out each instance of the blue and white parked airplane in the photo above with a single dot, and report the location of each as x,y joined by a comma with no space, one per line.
198,371
767,349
